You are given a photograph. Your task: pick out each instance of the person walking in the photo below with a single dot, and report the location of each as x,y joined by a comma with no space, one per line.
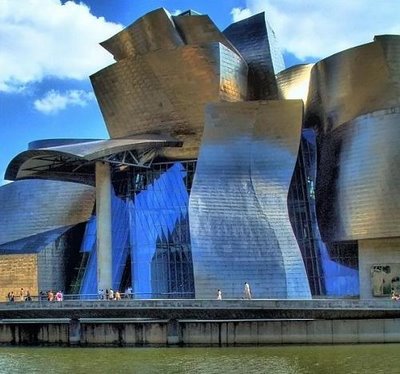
247,291
219,294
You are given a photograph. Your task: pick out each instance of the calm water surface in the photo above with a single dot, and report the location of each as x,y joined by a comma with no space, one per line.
341,359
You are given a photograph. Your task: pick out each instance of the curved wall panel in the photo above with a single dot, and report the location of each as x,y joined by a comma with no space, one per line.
240,229
256,42
357,81
200,30
293,83
354,102
153,31
32,207
166,91
358,185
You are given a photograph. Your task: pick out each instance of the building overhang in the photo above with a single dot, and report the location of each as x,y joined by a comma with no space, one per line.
75,161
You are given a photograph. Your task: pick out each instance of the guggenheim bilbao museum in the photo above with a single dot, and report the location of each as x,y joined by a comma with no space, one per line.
222,167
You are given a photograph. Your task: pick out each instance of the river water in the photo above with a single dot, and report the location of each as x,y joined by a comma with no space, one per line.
343,359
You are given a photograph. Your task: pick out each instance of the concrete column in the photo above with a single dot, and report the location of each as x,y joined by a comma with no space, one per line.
104,234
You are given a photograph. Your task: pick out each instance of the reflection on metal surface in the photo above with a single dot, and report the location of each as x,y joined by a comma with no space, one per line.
53,158
200,29
354,103
293,83
167,70
357,81
165,92
152,32
238,213
256,42
36,207
358,184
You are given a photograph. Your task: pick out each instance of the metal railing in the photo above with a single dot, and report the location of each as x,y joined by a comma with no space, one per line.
102,297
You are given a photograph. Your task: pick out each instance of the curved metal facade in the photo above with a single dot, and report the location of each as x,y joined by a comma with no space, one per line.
354,104
152,32
168,70
31,208
256,42
164,78
166,91
238,212
294,82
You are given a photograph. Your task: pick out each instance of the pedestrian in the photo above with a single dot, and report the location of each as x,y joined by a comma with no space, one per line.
128,293
50,295
111,294
107,294
59,296
219,294
21,294
247,291
117,295
28,296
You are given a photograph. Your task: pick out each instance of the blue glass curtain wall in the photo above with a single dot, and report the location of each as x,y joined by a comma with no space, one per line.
160,243
150,227
151,237
330,274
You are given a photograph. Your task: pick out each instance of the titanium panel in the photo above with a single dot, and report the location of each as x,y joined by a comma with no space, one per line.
358,185
353,103
34,243
256,42
240,229
357,81
199,30
152,32
164,92
293,83
32,207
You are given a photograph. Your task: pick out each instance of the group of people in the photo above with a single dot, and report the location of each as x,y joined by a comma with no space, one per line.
110,294
246,292
21,296
51,296
395,296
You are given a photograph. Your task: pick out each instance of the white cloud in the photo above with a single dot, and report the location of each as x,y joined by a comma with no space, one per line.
241,13
319,28
45,38
55,101
176,12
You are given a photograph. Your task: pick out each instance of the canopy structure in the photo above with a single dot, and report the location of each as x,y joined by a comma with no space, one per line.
75,161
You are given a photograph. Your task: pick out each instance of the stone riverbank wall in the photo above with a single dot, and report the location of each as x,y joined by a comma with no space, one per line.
199,322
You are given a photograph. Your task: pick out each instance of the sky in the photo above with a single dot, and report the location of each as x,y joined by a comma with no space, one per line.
49,48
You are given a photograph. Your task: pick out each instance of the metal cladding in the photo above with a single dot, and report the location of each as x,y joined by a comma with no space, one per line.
211,212
164,90
256,42
47,158
354,104
152,32
238,212
293,83
34,209
199,30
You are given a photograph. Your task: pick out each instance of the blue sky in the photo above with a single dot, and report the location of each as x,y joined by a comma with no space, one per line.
48,49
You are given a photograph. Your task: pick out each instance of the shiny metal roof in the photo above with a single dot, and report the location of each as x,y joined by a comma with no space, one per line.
67,158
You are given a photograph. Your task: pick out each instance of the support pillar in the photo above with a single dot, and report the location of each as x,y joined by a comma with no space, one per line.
104,234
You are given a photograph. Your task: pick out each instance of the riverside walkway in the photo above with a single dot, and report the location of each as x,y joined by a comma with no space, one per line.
203,309
167,322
